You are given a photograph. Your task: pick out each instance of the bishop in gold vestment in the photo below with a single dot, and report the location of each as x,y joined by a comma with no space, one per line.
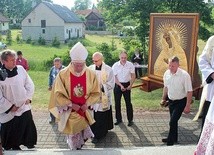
75,89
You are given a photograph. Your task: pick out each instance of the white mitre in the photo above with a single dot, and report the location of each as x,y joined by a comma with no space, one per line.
78,53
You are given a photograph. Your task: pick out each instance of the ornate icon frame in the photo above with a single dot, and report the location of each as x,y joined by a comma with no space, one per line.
191,23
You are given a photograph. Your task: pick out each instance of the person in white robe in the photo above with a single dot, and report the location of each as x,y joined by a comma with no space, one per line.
103,109
74,90
205,145
16,92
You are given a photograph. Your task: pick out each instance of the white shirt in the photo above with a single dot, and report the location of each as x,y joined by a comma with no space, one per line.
178,84
123,72
15,90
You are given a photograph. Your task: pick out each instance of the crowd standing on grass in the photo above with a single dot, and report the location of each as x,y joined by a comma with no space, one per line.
102,110
75,89
206,65
124,72
57,66
16,92
177,92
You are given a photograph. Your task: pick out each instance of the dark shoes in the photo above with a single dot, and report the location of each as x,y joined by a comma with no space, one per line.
95,140
164,140
117,123
13,148
16,148
168,143
52,122
130,123
31,147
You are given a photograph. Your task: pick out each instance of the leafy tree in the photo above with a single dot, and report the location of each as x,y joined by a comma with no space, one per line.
9,37
82,4
115,11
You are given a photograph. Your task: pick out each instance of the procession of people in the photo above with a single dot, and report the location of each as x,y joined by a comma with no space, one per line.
81,98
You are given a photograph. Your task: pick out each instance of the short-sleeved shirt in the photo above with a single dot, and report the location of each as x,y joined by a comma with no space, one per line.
123,72
178,84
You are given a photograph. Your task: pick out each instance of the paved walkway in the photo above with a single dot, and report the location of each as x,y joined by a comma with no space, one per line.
144,135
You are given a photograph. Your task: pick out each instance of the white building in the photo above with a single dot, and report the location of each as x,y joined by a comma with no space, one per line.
48,20
4,24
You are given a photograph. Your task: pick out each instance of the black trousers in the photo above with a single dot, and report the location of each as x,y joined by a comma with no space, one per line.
127,97
204,112
176,109
21,130
138,72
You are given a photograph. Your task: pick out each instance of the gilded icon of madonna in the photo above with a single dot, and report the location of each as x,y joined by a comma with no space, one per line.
171,37
172,34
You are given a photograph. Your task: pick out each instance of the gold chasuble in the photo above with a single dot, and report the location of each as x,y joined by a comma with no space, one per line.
70,89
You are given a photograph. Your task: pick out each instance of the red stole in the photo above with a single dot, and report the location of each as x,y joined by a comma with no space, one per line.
78,91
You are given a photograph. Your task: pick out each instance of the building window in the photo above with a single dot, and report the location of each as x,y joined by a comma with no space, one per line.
29,20
43,23
43,31
3,24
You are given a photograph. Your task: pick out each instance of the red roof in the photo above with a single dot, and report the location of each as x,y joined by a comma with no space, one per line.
3,18
86,12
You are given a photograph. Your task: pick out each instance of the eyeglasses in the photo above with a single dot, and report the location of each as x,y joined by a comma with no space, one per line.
96,60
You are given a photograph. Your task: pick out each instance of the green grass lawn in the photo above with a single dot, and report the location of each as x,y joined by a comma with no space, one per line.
38,54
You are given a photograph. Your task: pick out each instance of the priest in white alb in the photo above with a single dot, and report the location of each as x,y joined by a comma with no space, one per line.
206,65
103,109
16,93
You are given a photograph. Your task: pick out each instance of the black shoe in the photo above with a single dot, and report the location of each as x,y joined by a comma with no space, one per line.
52,122
164,140
30,146
7,148
117,123
16,148
169,143
94,140
130,123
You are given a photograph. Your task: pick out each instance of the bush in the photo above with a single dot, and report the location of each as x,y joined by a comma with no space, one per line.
65,60
105,49
72,42
55,42
41,41
18,39
29,40
9,37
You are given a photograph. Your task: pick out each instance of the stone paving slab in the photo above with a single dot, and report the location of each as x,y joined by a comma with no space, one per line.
157,150
148,130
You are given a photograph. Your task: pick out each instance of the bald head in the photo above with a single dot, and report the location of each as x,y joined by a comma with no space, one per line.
97,55
97,58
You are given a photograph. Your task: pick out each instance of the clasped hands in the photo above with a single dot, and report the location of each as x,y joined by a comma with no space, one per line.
15,108
124,89
76,107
